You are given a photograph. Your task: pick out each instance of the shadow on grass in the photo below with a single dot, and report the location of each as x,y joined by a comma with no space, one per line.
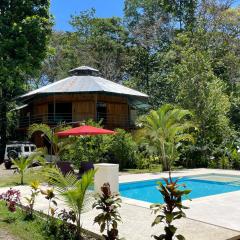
9,220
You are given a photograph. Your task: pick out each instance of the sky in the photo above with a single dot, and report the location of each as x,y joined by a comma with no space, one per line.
63,9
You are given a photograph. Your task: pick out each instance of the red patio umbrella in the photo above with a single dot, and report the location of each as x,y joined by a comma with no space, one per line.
84,130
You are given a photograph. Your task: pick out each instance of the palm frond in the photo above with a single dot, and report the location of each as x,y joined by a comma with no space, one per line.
75,192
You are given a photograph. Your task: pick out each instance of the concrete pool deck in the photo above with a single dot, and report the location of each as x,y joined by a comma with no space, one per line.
220,210
209,218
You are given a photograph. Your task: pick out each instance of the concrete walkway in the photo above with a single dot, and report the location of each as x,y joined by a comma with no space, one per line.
209,218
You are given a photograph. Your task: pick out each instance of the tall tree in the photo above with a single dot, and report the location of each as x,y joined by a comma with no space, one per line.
183,12
97,42
201,91
25,26
104,41
150,31
219,35
148,23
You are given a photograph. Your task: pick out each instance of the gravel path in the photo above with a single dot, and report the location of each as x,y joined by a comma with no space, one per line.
6,236
6,172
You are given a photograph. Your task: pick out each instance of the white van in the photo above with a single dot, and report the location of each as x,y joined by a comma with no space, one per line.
15,150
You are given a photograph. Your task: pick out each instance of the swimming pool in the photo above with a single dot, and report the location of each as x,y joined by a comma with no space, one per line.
201,186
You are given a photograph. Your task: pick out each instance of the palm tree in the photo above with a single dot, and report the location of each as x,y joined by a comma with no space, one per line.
164,130
75,192
22,165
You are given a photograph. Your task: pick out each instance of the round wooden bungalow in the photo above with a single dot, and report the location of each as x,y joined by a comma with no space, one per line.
81,96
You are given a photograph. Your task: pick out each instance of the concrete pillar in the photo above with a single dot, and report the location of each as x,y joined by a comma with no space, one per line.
106,173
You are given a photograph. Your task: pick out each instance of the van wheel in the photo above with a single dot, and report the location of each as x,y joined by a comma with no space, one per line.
8,165
12,155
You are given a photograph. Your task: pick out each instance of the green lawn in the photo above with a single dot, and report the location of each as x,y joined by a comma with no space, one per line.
156,168
13,179
13,224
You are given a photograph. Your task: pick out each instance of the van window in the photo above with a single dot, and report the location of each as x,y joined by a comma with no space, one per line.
16,148
33,148
26,148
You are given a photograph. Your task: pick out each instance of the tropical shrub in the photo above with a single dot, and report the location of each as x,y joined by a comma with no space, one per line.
235,159
75,192
50,196
87,148
108,203
118,148
122,149
172,208
67,228
51,225
144,161
192,156
29,209
12,198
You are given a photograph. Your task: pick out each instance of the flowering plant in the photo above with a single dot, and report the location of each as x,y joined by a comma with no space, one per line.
12,198
31,200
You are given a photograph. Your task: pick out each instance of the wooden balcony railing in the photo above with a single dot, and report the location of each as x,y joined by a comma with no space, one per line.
108,120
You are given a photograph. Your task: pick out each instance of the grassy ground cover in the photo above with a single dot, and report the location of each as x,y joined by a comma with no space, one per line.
155,168
13,224
13,179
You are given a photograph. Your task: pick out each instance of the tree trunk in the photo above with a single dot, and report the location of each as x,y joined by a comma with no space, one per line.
22,179
164,160
79,237
3,126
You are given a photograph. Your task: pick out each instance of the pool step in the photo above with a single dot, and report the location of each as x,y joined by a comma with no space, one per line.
235,183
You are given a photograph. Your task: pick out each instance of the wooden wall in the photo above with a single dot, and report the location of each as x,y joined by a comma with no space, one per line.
117,115
40,111
83,110
84,107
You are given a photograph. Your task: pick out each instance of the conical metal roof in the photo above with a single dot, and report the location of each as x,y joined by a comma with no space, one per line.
84,84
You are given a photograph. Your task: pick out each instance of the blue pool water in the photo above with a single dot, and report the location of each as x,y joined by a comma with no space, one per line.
147,191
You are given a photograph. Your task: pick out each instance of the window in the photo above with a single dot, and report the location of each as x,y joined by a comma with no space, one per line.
33,148
60,112
26,148
102,112
16,148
